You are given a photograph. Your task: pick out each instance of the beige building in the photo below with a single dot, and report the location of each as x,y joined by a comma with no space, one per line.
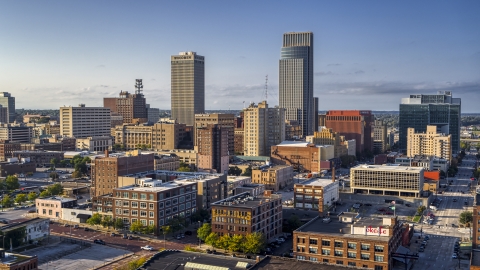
263,128
274,178
52,207
159,136
94,144
186,156
317,194
82,122
11,132
380,137
430,143
387,180
170,162
224,120
326,136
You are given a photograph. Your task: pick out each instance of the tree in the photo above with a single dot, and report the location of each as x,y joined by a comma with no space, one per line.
224,241
166,230
54,176
63,163
466,217
55,189
254,243
107,221
212,239
11,182
200,215
236,242
184,167
204,231
248,171
234,170
293,223
7,201
118,224
95,219
76,174
420,209
150,229
54,161
347,160
176,223
32,196
44,194
136,226
21,198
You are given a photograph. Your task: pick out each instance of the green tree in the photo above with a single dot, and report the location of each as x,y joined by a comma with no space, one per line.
234,170
11,182
466,218
7,201
200,215
54,176
32,196
54,161
248,171
476,173
224,242
166,230
204,231
63,163
420,209
21,198
176,223
55,189
44,194
236,242
347,160
150,229
107,221
118,224
76,174
212,239
254,243
136,226
95,219
293,223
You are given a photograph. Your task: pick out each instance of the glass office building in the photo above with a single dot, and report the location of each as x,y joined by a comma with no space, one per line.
441,110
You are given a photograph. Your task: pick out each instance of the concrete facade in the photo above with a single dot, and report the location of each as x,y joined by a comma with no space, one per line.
81,121
52,207
317,194
429,143
274,178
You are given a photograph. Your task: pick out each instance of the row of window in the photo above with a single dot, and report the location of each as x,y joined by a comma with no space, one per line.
339,244
339,262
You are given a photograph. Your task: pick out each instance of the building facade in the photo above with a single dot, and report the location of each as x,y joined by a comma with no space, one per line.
213,144
440,110
274,178
380,137
429,143
82,122
296,80
94,144
21,134
244,214
316,194
52,207
224,120
7,148
132,107
188,87
7,101
170,162
40,158
263,128
326,136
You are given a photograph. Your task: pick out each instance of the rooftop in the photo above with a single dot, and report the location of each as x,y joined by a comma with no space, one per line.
387,168
232,178
244,200
294,144
270,263
21,223
162,187
61,199
11,258
318,182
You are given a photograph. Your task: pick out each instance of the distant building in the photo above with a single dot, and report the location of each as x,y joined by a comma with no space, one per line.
212,143
81,121
380,137
187,156
16,167
430,143
7,101
274,178
326,136
188,87
244,214
21,134
94,144
16,261
224,120
41,158
170,162
153,114
132,107
317,194
4,115
7,148
303,156
237,181
35,229
51,207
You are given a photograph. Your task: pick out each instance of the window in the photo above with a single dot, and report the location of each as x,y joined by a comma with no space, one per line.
182,199
325,260
365,256
339,262
143,213
167,203
174,201
134,204
143,196
151,214
301,258
365,247
325,251
50,212
150,205
160,213
125,195
134,195
378,258
313,250
118,203
352,264
299,249
351,255
338,244
378,248
378,267
134,212
313,241
313,259
144,222
160,205
143,205
338,253
126,203
151,222
150,196
326,243
44,211
352,245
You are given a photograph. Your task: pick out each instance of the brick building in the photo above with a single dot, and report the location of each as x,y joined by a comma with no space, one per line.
244,214
317,194
41,158
326,136
212,145
224,120
170,162
12,168
7,148
357,125
349,241
303,156
274,178
107,169
132,107
15,261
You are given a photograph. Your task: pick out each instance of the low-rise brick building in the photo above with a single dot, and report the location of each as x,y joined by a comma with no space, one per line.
52,207
274,177
15,261
317,194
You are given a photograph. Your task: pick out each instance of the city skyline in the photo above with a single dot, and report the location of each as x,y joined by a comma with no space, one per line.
367,56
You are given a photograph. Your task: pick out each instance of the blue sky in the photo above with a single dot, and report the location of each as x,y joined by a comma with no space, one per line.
368,54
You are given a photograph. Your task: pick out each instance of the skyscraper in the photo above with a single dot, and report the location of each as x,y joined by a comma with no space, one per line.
7,101
440,110
188,87
132,108
296,80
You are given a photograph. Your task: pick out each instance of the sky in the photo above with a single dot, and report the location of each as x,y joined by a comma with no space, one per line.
367,54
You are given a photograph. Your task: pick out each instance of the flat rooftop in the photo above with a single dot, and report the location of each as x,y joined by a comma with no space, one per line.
271,263
245,200
323,182
294,144
337,228
162,187
55,198
387,168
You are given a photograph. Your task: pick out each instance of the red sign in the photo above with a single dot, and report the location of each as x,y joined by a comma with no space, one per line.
376,230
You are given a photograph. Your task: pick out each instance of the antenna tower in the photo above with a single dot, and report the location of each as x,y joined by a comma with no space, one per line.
266,88
138,86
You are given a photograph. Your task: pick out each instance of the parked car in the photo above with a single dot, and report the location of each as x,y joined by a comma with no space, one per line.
454,256
188,233
99,241
408,205
368,204
86,229
112,234
147,247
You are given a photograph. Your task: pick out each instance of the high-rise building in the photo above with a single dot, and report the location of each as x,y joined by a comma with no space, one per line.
440,110
296,80
380,137
212,143
82,122
188,87
429,143
13,133
132,108
7,101
352,124
225,120
263,128
153,114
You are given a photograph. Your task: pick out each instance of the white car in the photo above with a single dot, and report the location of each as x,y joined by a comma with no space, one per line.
147,248
454,256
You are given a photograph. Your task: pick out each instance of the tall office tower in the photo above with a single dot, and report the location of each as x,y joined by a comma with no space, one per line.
355,125
132,108
7,101
380,137
263,128
225,120
188,87
81,121
212,142
296,80
440,110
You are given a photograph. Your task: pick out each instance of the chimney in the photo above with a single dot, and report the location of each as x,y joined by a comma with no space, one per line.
333,174
106,152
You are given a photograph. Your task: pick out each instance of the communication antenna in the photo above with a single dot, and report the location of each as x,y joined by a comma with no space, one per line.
266,88
138,86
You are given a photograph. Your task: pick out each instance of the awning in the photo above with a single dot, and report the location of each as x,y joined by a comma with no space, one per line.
83,216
